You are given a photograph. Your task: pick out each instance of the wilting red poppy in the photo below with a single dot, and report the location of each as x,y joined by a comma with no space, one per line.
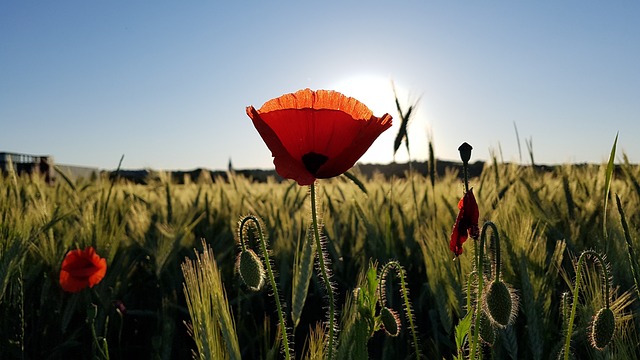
81,269
466,223
316,134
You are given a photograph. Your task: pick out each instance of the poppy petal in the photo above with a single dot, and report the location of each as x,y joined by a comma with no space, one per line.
286,165
472,213
318,100
316,134
453,242
458,235
71,284
466,222
99,274
367,134
81,269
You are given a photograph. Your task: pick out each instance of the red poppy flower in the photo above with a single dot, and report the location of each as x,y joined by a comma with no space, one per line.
316,134
466,223
81,269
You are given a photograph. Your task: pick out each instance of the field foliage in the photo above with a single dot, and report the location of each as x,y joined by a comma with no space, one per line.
150,233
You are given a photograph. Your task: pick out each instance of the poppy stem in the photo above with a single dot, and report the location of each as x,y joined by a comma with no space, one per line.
497,257
404,291
272,280
476,256
480,275
243,246
99,345
605,278
323,270
465,175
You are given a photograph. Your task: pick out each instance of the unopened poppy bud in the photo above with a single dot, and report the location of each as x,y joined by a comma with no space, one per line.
251,269
390,321
465,152
487,331
499,302
602,329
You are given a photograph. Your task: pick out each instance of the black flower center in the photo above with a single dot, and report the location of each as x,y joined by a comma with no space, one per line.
313,161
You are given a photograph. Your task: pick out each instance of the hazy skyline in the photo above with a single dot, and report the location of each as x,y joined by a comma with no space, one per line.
167,83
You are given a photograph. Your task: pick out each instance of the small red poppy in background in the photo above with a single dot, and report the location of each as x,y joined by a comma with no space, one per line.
316,134
466,223
81,269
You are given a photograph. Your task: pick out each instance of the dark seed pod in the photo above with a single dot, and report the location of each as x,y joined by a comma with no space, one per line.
465,152
499,304
487,331
602,329
251,269
390,321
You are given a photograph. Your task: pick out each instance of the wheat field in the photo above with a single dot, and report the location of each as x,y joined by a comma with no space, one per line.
172,288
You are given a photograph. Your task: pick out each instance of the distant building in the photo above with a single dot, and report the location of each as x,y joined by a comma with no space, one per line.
28,164
77,172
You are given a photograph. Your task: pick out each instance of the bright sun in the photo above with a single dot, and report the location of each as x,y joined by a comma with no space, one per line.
376,92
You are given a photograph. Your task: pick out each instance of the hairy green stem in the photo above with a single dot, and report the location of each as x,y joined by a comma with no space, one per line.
605,277
476,255
465,176
405,297
470,277
480,256
272,279
323,270
469,282
496,239
243,246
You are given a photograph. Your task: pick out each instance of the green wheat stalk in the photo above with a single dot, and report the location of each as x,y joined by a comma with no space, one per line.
212,325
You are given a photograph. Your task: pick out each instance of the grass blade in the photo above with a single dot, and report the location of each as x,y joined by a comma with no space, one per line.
607,185
302,271
633,260
356,181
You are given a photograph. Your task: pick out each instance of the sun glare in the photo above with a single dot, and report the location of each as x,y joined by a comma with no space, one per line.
377,93
374,91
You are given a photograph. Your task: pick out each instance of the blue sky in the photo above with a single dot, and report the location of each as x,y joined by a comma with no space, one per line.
166,83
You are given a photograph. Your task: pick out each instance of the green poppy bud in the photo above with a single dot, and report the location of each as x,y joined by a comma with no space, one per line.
390,321
487,331
499,303
251,269
602,328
